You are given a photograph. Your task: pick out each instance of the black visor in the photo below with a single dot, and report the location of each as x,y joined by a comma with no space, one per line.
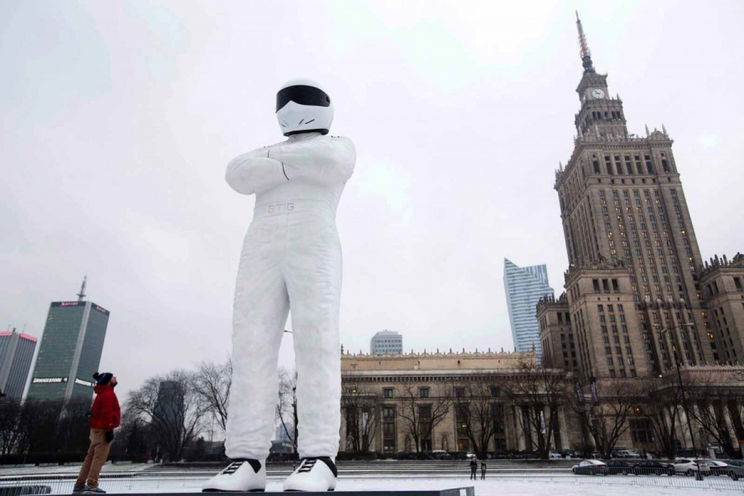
304,95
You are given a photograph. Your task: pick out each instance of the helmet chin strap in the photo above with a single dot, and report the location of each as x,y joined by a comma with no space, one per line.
303,136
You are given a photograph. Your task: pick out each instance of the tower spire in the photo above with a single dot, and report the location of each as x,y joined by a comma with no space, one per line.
81,294
586,55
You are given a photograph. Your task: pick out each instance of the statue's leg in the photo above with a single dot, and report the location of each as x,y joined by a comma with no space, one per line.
314,285
259,316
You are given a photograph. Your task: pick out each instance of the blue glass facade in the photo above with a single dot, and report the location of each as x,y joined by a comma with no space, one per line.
524,286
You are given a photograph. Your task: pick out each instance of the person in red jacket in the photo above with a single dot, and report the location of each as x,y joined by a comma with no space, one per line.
105,417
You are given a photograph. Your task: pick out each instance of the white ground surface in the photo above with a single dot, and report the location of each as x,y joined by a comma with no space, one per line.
508,486
116,479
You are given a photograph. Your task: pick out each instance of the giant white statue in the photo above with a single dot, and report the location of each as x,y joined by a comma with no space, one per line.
291,260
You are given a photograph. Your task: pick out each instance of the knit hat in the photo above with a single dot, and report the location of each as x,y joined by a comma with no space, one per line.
103,378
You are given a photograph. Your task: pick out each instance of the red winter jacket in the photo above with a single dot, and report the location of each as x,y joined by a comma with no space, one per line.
105,411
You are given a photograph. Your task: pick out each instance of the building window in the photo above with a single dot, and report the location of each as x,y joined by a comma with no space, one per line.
423,392
641,429
459,392
387,393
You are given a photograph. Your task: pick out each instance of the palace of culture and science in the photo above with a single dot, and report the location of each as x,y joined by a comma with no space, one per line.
646,334
639,300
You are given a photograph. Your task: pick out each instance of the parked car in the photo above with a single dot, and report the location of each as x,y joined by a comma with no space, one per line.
619,467
590,467
625,453
569,453
689,466
440,455
555,455
647,467
718,467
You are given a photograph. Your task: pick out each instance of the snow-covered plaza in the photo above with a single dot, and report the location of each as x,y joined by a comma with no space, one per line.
149,479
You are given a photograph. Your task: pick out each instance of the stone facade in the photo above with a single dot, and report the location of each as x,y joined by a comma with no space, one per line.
722,285
652,325
559,348
633,287
384,397
646,333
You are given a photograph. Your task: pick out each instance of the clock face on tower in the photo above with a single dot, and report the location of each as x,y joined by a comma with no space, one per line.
598,93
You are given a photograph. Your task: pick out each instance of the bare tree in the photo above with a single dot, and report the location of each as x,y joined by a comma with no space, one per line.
74,425
662,407
420,413
710,399
212,386
286,407
478,415
172,408
38,426
577,401
537,394
131,440
609,417
362,410
10,434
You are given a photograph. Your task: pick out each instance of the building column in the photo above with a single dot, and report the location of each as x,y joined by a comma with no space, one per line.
528,427
684,429
507,428
729,424
734,412
668,419
518,430
546,419
342,431
563,427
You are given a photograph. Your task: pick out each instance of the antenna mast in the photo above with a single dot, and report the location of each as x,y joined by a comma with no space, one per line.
81,294
586,55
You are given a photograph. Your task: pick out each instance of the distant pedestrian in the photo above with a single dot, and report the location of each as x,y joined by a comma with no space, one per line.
473,468
483,470
105,417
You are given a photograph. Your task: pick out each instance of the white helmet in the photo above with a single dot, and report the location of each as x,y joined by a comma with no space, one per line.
302,106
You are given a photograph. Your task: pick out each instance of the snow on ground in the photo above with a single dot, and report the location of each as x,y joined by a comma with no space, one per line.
70,468
501,486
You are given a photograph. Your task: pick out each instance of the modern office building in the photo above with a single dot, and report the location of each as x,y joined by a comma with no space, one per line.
70,350
524,287
170,404
16,356
386,342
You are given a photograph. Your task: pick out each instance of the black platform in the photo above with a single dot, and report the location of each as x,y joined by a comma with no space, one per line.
458,491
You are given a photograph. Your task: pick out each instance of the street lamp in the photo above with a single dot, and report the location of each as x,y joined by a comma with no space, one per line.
662,335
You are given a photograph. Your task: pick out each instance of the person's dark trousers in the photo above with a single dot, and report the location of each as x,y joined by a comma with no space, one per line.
473,474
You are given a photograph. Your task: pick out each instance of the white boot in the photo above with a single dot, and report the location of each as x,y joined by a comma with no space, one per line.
313,474
240,475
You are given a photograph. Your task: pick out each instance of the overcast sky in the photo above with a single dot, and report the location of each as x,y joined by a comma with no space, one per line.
117,120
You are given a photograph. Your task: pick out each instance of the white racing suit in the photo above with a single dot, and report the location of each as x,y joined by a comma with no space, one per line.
291,258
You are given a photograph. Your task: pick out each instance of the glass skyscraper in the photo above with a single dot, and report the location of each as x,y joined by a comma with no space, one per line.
70,351
524,286
16,355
